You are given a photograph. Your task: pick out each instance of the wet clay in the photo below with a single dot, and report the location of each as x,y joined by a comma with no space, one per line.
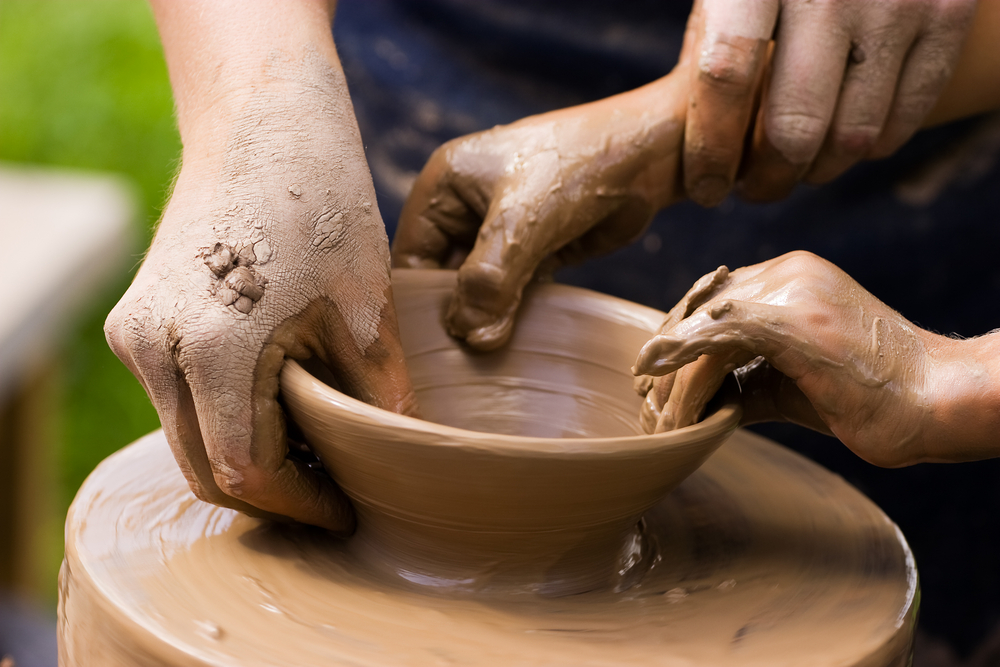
535,471
526,198
465,551
762,558
834,358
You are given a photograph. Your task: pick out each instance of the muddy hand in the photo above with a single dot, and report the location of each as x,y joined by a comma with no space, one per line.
542,192
812,347
271,247
847,81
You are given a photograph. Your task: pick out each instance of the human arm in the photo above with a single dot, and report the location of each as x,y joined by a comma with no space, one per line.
825,353
547,190
481,180
271,246
845,82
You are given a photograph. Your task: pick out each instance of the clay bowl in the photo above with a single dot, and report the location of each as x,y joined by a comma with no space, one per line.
531,472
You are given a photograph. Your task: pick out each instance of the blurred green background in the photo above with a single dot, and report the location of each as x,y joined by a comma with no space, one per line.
83,85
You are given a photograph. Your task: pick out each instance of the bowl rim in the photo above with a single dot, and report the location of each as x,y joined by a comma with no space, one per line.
722,421
295,379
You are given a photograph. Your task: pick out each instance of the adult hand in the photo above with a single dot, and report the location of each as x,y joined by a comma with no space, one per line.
270,247
825,353
544,191
847,80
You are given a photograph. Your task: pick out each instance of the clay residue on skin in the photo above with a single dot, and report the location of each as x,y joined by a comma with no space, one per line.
521,200
233,284
332,223
239,286
854,367
541,537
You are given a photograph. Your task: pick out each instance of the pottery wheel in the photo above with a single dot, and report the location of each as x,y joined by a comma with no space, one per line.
764,558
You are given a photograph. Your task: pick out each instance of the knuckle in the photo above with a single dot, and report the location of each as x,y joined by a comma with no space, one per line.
796,134
237,481
799,260
799,266
440,161
197,342
129,331
727,66
711,156
855,139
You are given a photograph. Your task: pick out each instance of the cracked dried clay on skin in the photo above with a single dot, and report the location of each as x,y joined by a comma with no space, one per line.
271,247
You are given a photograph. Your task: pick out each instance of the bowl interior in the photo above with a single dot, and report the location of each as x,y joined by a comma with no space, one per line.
564,374
530,464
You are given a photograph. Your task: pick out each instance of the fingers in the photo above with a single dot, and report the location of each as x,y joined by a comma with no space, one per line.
695,356
148,357
436,222
715,328
848,81
807,69
770,395
656,395
925,73
694,386
866,96
241,431
492,279
728,53
703,289
523,226
657,392
375,373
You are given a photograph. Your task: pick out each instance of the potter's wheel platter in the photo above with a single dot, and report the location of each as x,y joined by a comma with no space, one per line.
765,559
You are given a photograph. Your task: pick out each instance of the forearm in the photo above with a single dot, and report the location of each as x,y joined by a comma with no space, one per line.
218,51
963,423
630,141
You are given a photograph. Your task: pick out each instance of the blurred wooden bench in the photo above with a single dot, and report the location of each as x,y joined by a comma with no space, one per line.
63,234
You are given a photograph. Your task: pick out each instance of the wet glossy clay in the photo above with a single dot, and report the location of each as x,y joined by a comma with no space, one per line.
532,471
762,559
527,523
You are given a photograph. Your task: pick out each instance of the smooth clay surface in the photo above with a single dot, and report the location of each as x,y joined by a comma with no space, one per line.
527,522
532,470
762,558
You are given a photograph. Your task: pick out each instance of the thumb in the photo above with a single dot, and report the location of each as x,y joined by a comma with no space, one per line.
771,396
374,370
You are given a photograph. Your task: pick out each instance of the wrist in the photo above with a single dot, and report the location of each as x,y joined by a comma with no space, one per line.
964,381
662,107
219,53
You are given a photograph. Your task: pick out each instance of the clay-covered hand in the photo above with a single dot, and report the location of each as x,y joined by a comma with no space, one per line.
270,247
847,80
813,347
541,192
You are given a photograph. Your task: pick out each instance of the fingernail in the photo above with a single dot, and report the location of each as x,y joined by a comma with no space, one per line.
481,328
709,190
492,336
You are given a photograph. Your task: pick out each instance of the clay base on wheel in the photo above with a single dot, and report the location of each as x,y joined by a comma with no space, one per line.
764,558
